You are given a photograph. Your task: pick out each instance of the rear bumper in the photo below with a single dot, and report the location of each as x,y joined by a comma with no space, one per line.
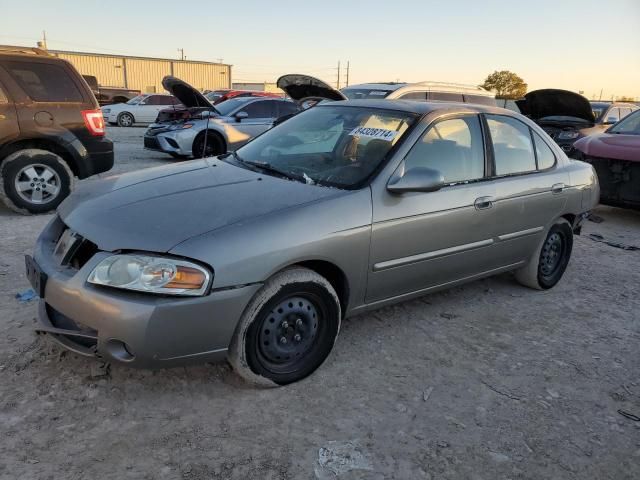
91,156
140,330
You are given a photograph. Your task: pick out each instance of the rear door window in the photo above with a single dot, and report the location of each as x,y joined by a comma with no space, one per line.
624,111
445,96
286,108
44,82
480,100
512,145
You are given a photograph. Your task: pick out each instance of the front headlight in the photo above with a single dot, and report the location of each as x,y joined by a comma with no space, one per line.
568,135
145,273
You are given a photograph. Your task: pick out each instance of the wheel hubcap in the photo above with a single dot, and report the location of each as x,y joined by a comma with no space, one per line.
551,255
288,332
125,120
37,184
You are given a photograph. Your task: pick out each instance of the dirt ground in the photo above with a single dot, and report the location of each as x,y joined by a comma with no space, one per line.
486,381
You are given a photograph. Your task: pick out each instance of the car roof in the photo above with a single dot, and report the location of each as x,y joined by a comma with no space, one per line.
420,108
378,86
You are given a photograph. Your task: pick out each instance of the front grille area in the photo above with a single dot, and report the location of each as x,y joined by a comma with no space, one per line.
151,142
80,253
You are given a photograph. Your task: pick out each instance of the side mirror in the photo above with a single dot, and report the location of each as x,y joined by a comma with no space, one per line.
417,179
241,116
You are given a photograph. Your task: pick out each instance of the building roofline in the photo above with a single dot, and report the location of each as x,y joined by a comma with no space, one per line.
133,57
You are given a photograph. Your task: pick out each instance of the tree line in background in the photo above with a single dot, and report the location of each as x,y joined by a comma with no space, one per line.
509,85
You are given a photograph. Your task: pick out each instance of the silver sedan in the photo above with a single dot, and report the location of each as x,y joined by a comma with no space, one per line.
257,256
213,132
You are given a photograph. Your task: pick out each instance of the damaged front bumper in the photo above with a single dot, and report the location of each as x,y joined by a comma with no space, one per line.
142,330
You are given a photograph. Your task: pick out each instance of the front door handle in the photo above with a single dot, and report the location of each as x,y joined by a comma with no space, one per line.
557,188
482,203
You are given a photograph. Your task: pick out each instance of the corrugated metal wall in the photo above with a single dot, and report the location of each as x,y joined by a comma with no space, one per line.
145,74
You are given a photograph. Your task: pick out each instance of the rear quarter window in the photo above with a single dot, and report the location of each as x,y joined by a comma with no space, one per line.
3,96
445,96
480,100
45,82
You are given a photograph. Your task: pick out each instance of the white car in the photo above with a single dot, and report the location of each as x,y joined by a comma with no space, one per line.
141,109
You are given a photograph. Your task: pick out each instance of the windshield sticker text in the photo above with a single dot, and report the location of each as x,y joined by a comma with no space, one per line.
379,133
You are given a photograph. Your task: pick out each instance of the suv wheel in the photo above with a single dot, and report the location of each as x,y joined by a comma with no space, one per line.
34,181
125,119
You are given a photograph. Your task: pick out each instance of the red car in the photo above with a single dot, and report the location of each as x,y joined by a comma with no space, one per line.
219,96
615,155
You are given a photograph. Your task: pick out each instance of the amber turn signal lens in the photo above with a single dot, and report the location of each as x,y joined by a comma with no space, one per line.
187,278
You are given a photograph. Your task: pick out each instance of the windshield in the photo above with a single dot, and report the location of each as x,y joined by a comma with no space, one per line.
228,106
364,93
136,100
630,125
337,146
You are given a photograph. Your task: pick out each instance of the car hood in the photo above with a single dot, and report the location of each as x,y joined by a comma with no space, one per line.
555,103
302,87
188,96
157,208
611,145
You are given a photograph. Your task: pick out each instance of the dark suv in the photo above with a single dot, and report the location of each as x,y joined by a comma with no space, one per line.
51,130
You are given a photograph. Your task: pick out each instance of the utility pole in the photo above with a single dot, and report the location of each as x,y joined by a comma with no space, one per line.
338,82
43,43
181,50
600,94
347,82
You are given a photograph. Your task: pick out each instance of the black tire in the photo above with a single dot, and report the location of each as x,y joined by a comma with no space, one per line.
287,330
34,181
215,145
177,156
113,123
125,119
550,260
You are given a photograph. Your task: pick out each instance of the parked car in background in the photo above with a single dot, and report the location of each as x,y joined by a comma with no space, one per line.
51,130
219,96
615,155
567,116
422,91
141,109
212,130
257,256
109,95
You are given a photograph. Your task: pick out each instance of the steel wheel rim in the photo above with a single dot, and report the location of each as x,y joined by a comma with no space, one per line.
37,184
552,254
289,332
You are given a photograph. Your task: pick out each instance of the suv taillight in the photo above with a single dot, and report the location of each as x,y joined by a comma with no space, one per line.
94,121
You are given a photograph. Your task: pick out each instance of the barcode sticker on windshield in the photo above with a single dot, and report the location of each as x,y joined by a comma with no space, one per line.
380,133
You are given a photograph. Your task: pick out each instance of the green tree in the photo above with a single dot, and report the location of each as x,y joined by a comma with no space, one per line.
505,84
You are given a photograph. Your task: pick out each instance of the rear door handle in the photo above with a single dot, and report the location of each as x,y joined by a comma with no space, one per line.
557,188
482,203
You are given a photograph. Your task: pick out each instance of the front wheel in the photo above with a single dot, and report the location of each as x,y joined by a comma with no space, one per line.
125,119
550,260
287,330
34,181
207,145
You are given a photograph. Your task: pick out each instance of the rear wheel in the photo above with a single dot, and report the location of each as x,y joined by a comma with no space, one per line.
548,264
214,145
288,329
125,119
35,181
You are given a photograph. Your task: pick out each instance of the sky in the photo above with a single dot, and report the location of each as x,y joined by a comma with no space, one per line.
588,46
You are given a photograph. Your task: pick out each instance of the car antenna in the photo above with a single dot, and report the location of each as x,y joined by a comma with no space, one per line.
206,133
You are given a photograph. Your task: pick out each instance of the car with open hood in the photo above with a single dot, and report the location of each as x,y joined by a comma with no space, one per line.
567,116
258,255
212,130
615,155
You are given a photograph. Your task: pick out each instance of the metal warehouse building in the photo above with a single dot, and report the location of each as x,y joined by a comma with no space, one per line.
145,73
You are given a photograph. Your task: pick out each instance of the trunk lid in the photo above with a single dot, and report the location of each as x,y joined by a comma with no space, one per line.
541,104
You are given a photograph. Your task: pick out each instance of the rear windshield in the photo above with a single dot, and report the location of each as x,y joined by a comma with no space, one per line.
45,82
364,93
